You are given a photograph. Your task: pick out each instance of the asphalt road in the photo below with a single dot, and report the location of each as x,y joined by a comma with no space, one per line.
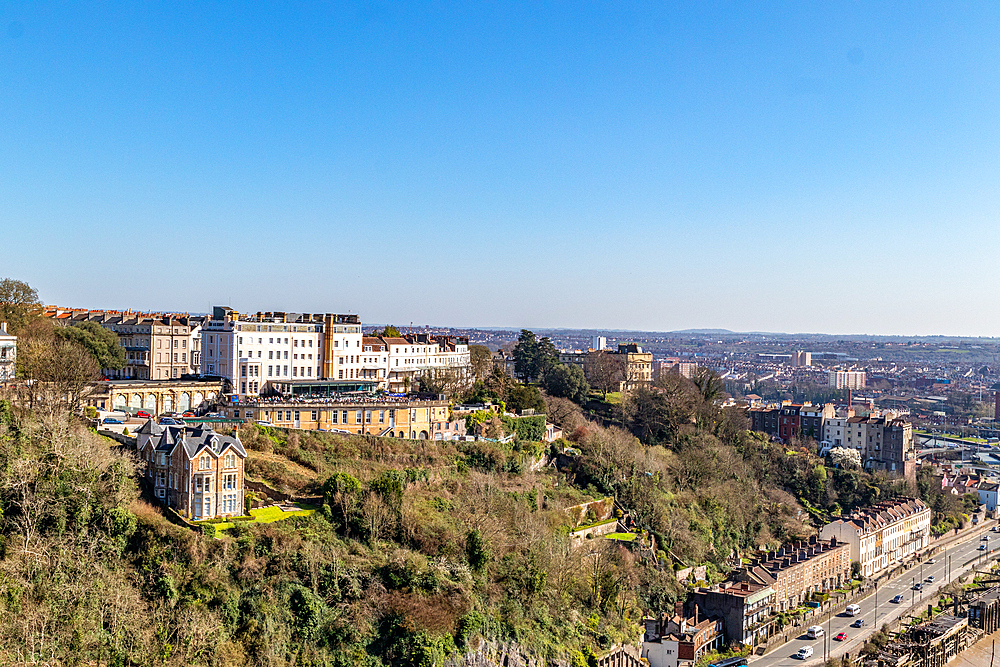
960,553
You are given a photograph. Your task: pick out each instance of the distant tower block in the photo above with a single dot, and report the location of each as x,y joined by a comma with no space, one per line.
599,343
802,358
996,406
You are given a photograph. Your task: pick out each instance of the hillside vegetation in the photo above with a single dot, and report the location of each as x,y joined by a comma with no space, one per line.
420,548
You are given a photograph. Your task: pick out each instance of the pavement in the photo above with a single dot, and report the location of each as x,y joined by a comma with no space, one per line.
960,552
133,425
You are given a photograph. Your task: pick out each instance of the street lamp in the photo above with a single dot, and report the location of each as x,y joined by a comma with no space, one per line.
876,604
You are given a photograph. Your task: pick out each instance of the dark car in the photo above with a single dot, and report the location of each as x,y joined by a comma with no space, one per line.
982,547
169,421
918,586
898,599
860,623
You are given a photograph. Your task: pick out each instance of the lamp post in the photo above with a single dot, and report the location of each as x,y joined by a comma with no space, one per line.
876,605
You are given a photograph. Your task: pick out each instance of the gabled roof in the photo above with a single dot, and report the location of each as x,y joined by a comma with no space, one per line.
195,441
150,428
396,341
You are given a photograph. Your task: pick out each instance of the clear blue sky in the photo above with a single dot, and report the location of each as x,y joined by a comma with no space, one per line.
798,166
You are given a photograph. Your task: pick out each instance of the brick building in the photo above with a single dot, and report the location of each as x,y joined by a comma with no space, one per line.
746,609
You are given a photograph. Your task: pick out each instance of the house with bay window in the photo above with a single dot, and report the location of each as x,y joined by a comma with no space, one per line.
195,471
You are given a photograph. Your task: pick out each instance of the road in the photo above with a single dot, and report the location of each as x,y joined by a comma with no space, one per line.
959,552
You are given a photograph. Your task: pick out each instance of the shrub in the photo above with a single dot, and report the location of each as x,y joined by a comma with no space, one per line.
476,550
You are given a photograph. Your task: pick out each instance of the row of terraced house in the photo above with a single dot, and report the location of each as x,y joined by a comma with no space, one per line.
742,609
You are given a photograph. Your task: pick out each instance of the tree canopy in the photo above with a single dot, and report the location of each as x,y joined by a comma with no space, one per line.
98,341
566,381
389,332
19,304
533,357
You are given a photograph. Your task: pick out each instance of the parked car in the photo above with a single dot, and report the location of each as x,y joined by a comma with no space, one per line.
804,653
169,421
897,599
264,422
841,636
142,414
188,414
111,420
860,623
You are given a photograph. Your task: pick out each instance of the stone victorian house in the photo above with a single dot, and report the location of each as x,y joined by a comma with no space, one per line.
195,471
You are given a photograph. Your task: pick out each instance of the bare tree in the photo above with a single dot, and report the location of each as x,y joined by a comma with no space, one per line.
54,375
480,361
605,371
377,516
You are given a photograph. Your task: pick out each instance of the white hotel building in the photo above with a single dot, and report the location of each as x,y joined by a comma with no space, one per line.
253,350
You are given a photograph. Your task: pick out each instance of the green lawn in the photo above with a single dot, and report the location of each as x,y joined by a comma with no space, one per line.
622,537
268,515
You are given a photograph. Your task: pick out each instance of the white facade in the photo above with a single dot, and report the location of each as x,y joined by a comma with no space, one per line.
661,653
883,535
848,379
421,355
835,431
251,351
8,353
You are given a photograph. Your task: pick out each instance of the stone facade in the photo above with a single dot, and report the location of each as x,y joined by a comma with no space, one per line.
797,570
158,346
197,472
410,419
156,397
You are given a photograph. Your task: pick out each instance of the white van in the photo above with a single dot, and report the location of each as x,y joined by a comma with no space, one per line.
815,631
853,610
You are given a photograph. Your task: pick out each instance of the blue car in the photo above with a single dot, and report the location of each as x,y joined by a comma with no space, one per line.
111,420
